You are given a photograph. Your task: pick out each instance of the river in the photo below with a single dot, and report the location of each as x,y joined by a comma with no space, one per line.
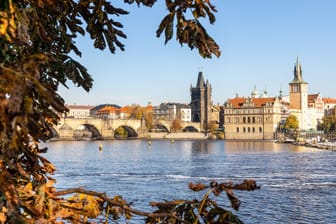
298,184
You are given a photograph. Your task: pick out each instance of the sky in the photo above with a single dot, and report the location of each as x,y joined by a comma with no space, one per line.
259,40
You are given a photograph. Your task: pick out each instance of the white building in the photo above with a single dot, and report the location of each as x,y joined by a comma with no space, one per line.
78,111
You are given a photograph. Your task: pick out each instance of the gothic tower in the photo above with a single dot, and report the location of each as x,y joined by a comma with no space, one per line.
298,89
201,102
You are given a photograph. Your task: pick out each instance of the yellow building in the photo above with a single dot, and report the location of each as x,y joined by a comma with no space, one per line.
251,118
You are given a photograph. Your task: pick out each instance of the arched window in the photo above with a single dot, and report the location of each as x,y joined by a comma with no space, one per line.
237,129
260,129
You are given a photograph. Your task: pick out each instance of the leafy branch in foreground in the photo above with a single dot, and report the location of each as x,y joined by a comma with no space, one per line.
86,206
190,30
206,210
37,41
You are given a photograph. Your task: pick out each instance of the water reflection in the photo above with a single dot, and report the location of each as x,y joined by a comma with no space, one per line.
200,146
248,146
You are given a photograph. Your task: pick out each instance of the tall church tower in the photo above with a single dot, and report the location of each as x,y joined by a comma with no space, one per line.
201,102
298,90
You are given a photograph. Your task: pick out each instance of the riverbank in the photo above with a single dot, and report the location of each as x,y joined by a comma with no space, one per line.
319,145
177,135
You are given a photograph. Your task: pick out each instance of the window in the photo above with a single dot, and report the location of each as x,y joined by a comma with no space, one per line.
244,119
248,120
248,130
295,89
260,129
253,129
244,129
253,120
260,119
237,129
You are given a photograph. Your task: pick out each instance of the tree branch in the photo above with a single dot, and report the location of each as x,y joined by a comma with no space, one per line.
110,201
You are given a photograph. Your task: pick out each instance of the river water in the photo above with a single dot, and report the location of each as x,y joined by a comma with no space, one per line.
298,184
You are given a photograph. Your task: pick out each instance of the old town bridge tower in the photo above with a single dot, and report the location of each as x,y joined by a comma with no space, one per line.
201,102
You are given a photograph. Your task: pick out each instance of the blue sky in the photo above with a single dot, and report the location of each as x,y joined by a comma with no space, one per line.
259,40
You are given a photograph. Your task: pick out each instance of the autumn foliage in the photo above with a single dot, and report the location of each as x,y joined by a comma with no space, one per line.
36,39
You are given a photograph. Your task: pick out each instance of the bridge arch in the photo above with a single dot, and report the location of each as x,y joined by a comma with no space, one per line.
190,129
87,131
159,128
124,131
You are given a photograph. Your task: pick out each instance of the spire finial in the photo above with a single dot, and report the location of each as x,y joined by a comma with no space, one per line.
297,60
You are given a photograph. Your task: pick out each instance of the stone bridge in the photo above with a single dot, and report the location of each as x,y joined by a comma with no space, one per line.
97,128
186,126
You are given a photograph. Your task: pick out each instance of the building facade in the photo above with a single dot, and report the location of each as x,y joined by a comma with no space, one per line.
201,104
258,117
298,98
94,110
308,108
329,106
251,117
78,111
172,111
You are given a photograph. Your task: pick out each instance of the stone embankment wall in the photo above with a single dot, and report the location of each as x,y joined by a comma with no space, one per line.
178,135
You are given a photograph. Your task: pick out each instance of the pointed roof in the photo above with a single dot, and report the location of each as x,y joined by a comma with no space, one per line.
200,80
298,72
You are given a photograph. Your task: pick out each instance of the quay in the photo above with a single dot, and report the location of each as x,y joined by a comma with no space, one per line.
319,145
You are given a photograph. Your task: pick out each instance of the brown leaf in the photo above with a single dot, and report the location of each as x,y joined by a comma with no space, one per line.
235,203
197,187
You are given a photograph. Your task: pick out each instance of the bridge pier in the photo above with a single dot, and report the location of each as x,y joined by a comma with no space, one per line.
66,134
107,133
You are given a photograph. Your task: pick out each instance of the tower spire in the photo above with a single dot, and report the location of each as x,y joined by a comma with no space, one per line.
200,80
298,71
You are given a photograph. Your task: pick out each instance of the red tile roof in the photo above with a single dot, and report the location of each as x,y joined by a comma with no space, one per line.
107,110
258,102
329,100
